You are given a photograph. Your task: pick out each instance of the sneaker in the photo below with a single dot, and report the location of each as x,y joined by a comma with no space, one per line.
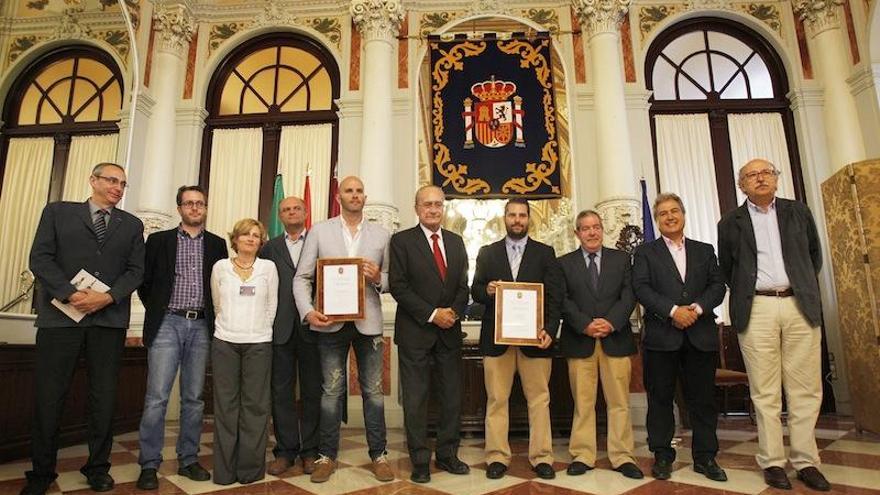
381,469
324,467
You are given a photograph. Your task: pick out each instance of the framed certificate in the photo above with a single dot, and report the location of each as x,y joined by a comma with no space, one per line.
519,313
341,288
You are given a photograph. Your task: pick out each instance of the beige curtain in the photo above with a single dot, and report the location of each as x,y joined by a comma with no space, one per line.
85,153
306,149
25,190
234,193
760,135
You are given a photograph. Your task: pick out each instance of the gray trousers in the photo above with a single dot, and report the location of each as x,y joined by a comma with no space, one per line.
241,374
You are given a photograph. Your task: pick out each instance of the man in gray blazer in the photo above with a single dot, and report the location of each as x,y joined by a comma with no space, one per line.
108,243
348,235
768,250
294,351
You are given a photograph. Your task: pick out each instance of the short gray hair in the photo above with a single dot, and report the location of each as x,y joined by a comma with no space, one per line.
753,160
667,196
101,166
587,213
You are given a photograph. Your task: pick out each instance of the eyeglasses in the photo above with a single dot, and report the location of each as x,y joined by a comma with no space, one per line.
764,174
194,204
113,181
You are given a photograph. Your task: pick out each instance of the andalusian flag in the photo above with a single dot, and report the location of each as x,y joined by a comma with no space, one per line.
276,228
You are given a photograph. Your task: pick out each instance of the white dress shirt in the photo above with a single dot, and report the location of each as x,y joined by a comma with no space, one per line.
242,318
771,264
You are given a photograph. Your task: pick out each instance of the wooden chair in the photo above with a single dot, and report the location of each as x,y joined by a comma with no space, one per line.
726,376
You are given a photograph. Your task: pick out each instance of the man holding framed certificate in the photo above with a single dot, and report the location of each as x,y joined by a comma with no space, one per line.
515,348
346,259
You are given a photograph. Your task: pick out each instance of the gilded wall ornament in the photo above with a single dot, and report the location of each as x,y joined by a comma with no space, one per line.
70,27
651,15
274,14
767,13
547,18
432,21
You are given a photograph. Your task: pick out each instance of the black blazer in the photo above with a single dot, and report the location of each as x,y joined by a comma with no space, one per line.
65,243
161,261
287,320
659,287
738,258
538,265
614,301
415,283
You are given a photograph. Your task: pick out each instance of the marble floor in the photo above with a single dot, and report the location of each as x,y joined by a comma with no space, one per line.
851,462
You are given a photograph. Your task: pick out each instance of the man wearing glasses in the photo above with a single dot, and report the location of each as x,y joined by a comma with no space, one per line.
768,250
178,324
107,243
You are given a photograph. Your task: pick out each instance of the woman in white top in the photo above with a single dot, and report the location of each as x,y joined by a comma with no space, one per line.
245,293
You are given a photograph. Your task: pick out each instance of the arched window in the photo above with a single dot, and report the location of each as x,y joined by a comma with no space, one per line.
722,76
59,120
271,110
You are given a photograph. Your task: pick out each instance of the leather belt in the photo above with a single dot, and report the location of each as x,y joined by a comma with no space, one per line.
189,314
775,293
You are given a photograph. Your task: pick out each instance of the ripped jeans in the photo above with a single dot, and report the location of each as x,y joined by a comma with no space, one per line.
368,349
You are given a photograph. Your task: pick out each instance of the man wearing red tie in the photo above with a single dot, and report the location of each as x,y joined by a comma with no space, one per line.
428,278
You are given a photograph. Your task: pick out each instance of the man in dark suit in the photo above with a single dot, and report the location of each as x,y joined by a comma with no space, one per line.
517,258
178,323
598,342
428,278
678,282
108,243
294,350
769,253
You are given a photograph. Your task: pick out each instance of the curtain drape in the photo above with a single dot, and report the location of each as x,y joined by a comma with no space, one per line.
25,191
85,153
306,149
760,135
236,157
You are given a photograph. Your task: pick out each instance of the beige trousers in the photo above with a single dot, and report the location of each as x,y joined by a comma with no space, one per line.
782,351
584,375
534,374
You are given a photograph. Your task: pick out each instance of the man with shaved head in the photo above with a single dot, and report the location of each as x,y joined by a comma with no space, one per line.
294,351
428,278
769,252
347,236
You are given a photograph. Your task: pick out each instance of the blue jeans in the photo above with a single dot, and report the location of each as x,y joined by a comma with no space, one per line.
179,343
333,348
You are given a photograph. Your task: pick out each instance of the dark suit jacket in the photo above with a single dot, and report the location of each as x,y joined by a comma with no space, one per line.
161,262
738,258
287,320
538,265
65,243
659,287
415,283
614,301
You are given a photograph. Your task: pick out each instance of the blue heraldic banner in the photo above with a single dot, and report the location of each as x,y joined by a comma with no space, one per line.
493,118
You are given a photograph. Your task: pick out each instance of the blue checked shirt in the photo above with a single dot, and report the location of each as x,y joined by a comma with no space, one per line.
188,291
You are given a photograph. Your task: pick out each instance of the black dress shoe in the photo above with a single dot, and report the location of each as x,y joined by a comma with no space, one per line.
711,470
452,465
630,470
813,478
662,469
148,480
544,471
195,472
775,476
495,471
577,468
36,487
420,474
101,482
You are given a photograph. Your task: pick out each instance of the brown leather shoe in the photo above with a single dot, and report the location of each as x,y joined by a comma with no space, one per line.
776,478
382,470
814,479
308,465
324,467
279,466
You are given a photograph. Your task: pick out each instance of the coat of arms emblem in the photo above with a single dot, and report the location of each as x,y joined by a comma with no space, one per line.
495,119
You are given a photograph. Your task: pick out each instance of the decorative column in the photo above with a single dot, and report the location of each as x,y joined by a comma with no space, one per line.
174,29
618,201
378,22
842,128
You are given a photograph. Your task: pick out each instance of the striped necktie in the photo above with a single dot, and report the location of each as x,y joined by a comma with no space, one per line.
100,223
516,260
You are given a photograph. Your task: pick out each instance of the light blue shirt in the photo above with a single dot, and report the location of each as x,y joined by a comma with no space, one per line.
586,255
771,264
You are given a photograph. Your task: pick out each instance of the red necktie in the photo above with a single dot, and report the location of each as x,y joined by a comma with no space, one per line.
438,257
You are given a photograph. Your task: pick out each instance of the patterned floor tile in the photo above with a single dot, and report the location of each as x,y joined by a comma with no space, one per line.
342,481
599,481
739,481
855,447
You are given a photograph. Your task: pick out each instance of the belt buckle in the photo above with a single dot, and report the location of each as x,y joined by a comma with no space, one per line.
191,315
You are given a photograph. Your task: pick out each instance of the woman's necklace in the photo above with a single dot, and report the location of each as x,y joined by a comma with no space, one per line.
235,262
